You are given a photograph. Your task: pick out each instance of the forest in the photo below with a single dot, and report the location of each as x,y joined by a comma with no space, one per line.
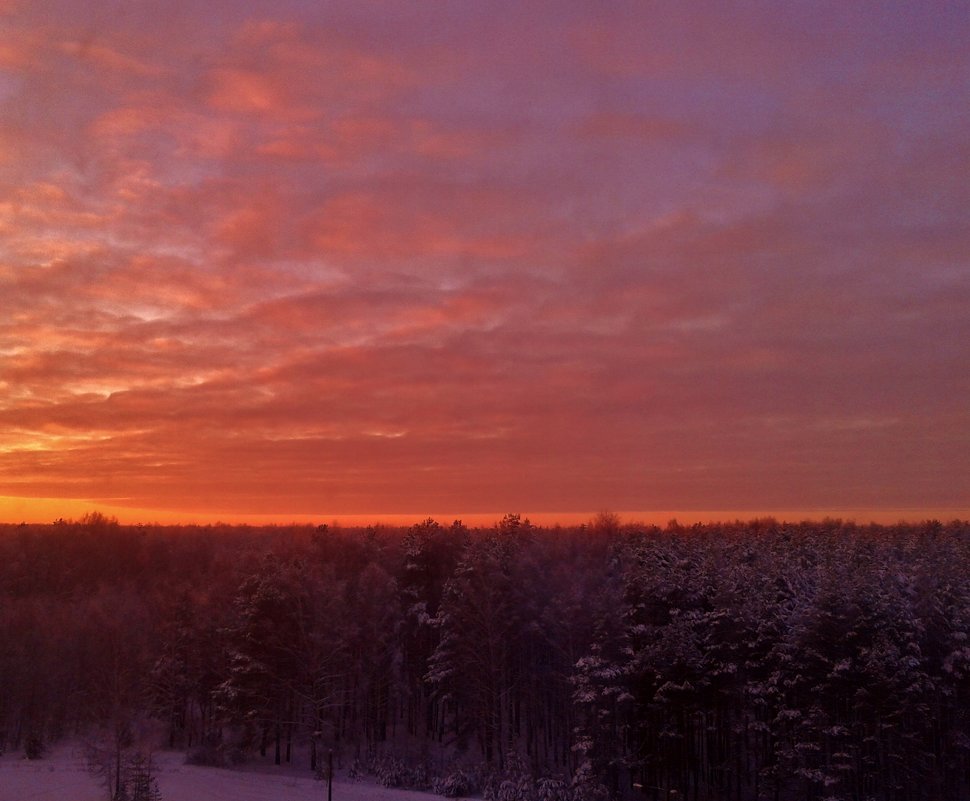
815,661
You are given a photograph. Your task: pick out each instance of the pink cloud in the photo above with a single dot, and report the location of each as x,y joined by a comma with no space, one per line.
101,56
330,261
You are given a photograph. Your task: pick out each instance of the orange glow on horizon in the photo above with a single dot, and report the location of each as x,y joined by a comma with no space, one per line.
46,510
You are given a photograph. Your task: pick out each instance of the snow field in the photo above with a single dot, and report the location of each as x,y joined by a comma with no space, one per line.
63,776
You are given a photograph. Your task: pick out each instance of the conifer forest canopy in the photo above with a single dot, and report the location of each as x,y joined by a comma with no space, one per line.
758,660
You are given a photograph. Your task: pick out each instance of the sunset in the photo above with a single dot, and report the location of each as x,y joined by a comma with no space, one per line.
514,401
300,261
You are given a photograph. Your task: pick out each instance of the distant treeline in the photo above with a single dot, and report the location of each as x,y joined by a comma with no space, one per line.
739,661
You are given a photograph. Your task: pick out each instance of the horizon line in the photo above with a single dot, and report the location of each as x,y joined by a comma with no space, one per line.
16,510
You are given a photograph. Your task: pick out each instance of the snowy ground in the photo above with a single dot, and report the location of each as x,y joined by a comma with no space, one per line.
62,776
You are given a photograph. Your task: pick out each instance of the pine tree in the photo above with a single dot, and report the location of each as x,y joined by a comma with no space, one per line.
140,784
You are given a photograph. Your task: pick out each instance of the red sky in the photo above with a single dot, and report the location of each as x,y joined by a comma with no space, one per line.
319,259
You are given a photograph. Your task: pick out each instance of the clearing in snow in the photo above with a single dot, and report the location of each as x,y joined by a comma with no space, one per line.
63,776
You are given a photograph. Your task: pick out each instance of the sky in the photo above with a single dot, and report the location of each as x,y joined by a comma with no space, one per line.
299,260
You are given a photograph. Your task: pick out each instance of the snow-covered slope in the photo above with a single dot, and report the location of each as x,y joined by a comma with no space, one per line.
62,776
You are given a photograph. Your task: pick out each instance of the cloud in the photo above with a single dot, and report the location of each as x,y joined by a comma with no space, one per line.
106,58
325,261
